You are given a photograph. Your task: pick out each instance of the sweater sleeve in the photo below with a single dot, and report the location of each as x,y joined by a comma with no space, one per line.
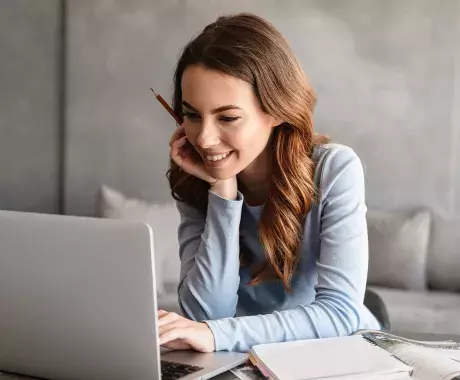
209,254
341,268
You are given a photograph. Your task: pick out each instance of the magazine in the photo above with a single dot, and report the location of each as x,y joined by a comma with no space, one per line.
429,360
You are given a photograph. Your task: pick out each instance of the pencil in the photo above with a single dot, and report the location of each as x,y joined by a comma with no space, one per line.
168,108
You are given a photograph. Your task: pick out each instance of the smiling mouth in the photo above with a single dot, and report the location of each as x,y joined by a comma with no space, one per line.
218,157
217,160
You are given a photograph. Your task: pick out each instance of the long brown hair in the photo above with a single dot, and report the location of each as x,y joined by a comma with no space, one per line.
248,47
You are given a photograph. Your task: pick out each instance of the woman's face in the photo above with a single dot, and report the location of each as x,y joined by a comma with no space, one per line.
223,120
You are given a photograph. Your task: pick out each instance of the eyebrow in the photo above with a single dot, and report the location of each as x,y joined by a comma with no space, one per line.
215,110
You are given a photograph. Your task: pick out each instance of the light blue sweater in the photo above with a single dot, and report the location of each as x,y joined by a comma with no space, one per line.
329,283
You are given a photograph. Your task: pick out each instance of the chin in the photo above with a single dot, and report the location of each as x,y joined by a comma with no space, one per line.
221,174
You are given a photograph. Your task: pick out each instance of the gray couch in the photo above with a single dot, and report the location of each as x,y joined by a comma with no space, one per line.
77,112
400,271
410,274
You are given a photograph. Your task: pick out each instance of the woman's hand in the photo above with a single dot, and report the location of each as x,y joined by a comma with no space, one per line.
179,333
186,157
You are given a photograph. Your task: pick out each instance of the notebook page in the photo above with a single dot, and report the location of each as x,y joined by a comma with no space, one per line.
385,376
327,358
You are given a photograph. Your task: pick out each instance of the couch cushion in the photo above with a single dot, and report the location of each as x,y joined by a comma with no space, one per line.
444,256
433,312
398,248
164,220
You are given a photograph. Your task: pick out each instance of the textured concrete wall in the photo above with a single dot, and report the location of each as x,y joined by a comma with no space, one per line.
386,72
29,117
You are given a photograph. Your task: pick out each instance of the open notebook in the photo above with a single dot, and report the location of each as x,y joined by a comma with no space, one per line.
368,355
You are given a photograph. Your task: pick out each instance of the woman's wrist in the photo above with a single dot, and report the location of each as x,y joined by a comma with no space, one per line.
225,188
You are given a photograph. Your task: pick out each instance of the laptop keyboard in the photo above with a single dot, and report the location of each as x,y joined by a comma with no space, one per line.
173,371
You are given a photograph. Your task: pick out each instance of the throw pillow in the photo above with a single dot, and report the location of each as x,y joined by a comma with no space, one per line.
398,248
164,220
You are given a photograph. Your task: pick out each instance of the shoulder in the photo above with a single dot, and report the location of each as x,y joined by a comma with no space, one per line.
338,167
333,157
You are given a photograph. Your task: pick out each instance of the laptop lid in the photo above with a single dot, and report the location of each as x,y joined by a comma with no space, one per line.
77,298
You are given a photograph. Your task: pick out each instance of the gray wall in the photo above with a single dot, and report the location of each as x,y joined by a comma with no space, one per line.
387,73
29,102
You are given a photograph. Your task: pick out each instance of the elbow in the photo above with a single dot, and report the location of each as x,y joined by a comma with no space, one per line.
350,322
344,318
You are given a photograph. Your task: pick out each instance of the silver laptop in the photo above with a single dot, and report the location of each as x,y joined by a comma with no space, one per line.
78,301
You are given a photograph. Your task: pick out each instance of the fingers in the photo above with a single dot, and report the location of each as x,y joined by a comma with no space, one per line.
177,345
188,159
179,150
175,333
179,143
166,332
167,318
161,312
168,327
178,133
169,321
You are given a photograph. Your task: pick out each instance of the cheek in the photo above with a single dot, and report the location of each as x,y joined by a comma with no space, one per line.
191,132
253,139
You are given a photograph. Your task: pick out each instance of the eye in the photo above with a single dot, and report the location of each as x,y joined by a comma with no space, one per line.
191,115
229,119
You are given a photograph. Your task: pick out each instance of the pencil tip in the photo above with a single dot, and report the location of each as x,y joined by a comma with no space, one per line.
153,91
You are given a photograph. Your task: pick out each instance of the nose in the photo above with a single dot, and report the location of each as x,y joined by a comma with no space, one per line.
209,135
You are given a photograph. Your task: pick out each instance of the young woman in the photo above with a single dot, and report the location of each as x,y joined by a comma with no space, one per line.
273,235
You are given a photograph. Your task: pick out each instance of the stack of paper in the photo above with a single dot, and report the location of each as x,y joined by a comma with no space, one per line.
347,358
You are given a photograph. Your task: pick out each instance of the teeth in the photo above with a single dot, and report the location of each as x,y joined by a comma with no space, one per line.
217,158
